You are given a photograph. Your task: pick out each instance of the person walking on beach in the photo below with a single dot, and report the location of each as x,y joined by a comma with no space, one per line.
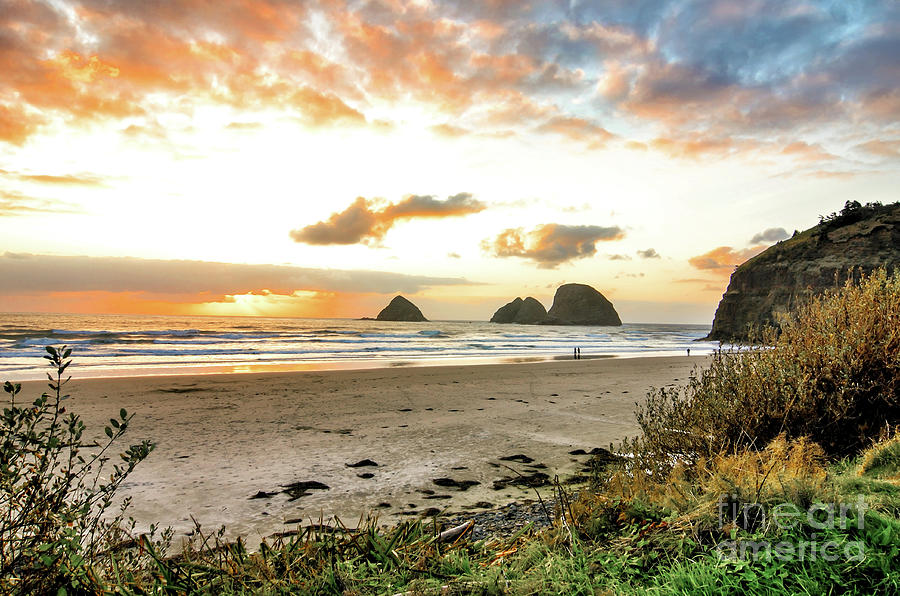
689,351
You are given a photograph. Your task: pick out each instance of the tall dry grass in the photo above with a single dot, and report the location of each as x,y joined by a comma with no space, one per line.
832,375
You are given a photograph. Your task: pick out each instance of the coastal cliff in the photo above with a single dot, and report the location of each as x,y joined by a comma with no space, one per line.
764,289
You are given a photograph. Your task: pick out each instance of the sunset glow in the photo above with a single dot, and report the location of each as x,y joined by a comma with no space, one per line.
273,158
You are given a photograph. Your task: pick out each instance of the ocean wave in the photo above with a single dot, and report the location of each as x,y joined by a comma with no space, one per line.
119,342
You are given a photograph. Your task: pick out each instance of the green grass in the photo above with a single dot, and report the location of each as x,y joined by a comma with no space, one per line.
790,427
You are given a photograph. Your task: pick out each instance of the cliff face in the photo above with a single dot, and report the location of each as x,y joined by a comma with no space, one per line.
579,304
764,289
401,309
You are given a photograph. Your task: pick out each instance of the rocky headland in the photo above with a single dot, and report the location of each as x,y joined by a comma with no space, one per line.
764,289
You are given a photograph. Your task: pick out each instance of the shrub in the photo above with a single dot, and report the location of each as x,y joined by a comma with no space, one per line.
882,460
55,490
832,374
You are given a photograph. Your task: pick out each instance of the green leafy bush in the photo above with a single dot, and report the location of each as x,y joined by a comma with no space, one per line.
832,374
55,490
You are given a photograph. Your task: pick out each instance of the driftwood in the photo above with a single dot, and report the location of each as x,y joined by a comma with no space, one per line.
453,534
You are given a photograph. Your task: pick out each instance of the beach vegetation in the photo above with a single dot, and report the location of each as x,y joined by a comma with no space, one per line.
57,489
831,374
776,469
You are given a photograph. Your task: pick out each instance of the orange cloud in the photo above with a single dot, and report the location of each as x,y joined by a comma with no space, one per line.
15,203
490,64
615,83
883,104
724,259
448,130
319,71
364,221
503,70
322,109
75,67
806,152
832,174
881,148
550,245
696,146
577,129
15,125
63,180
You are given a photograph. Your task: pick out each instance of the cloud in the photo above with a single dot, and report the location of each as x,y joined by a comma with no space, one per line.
55,179
15,125
708,78
697,146
13,203
550,245
881,148
724,259
618,257
368,221
28,273
63,180
324,109
244,125
770,235
448,130
577,129
833,174
650,253
806,152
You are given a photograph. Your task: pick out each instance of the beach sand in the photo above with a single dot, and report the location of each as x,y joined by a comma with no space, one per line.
221,439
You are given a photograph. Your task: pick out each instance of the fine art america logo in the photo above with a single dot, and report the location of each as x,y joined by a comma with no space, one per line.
822,543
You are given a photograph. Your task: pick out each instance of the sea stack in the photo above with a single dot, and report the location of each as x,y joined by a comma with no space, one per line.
763,290
401,309
524,312
580,304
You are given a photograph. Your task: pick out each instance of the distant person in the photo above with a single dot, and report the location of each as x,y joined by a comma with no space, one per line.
574,353
689,351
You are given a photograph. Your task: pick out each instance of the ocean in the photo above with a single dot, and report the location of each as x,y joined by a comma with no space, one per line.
128,345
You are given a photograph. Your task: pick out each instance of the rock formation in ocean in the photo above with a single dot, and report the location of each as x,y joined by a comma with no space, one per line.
507,313
764,289
580,304
525,312
401,309
532,312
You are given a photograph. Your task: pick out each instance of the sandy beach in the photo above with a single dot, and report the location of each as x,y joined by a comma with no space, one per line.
223,439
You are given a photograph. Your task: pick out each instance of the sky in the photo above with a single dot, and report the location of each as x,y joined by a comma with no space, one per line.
312,159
